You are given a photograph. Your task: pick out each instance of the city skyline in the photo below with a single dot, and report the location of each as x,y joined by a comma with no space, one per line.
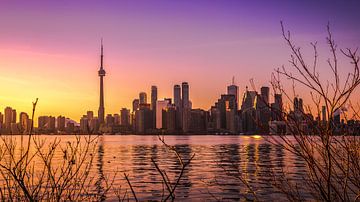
56,60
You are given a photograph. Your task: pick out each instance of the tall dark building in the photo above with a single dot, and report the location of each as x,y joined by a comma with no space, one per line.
263,114
177,96
143,98
143,118
323,113
185,95
296,104
265,95
186,108
8,117
178,107
234,90
154,98
225,105
101,72
277,108
248,111
135,104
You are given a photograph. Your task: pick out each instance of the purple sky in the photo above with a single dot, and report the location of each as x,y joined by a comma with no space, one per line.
51,48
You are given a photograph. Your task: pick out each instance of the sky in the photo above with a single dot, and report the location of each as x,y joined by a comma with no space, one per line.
51,49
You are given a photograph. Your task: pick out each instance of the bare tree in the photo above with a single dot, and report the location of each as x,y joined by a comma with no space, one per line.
31,171
330,150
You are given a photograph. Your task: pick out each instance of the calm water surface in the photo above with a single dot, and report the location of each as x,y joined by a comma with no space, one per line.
212,175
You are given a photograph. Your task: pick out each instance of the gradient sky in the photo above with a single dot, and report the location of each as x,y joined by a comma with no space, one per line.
50,49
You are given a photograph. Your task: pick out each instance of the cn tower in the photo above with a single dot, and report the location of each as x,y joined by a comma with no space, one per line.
101,73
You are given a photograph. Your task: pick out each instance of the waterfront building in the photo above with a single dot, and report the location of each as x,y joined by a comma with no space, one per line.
160,106
46,124
70,127
14,128
263,113
135,104
154,99
110,120
13,116
94,125
197,121
51,125
143,119
323,112
42,120
177,96
84,125
90,115
277,108
124,117
8,118
297,114
214,119
186,107
60,123
226,107
24,121
116,119
248,112
1,120
143,98
234,90
169,118
178,105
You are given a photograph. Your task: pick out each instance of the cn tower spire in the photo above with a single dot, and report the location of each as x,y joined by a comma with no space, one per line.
102,54
101,72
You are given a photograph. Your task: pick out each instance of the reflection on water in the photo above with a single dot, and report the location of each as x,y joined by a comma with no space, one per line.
100,164
213,174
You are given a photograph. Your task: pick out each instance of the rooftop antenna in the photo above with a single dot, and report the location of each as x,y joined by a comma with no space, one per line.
233,80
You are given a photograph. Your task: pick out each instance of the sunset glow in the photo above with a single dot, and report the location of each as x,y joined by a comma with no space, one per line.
51,49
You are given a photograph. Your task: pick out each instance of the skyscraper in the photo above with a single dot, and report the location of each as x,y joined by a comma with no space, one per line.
177,96
234,90
90,115
301,107
8,117
135,104
1,120
186,109
24,120
296,104
153,97
265,95
153,103
178,107
101,72
143,98
185,95
125,117
161,105
277,108
13,116
263,109
60,123
323,111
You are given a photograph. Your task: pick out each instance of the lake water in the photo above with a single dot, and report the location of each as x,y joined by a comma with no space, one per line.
212,175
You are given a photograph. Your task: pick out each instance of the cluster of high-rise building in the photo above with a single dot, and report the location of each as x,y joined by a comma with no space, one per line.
253,113
171,115
9,123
